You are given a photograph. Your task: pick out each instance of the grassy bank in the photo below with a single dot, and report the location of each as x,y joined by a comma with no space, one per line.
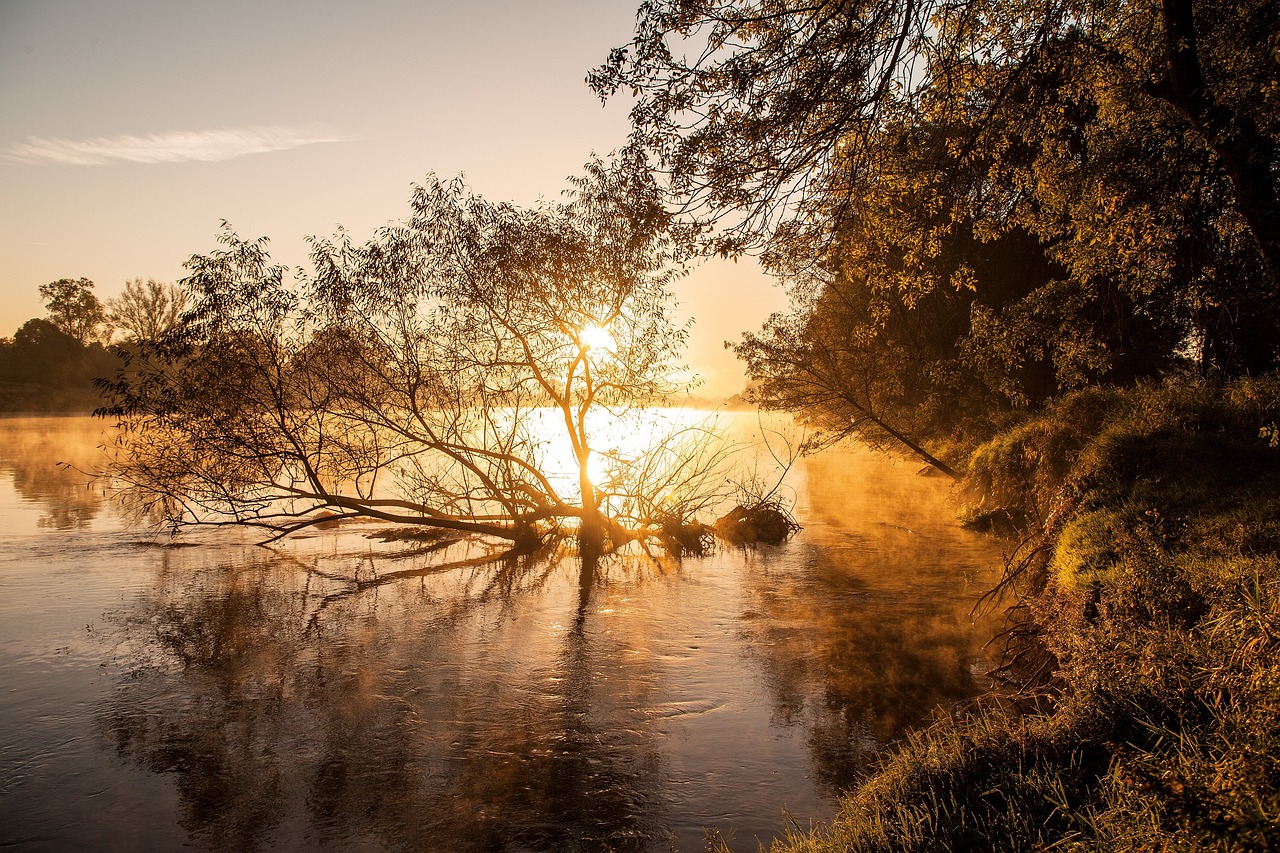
1146,602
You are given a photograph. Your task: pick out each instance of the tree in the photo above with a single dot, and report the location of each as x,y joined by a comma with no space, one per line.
146,310
1214,55
73,307
962,287
831,367
976,207
44,369
772,118
420,378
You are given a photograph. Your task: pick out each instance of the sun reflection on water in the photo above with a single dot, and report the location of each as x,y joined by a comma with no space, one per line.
344,687
622,445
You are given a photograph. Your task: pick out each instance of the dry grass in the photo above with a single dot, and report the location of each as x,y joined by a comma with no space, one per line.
1158,512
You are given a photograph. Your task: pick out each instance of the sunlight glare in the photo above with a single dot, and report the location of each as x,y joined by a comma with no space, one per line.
617,439
598,468
597,338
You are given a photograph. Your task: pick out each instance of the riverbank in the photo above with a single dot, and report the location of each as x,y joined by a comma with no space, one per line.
1144,647
17,401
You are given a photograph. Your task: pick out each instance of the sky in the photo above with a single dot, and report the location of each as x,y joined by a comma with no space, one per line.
130,129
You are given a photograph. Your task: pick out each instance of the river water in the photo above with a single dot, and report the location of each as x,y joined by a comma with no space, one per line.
342,692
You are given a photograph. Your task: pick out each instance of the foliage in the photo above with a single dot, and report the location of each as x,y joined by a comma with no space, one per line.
146,310
51,363
421,377
73,308
1162,615
44,369
769,116
977,207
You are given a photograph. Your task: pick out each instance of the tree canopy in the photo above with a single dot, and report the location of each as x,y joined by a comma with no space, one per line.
50,363
977,206
73,307
145,310
767,113
421,377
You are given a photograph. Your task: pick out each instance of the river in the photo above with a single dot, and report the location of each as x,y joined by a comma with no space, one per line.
342,692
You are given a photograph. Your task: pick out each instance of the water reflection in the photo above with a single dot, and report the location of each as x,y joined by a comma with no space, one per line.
443,713
354,690
854,674
45,459
869,639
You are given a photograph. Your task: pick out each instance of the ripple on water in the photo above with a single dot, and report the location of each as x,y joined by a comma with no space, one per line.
225,696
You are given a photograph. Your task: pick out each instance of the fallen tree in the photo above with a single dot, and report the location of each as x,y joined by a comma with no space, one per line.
427,376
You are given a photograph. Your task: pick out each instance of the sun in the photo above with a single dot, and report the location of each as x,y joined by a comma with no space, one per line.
598,469
597,338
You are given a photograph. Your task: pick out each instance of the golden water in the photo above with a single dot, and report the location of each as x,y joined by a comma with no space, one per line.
341,692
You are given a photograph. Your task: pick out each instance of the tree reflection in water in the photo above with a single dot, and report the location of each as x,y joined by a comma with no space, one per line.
870,640
434,714
351,692
42,455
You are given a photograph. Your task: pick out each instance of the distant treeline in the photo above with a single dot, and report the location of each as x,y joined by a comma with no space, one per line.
51,362
44,369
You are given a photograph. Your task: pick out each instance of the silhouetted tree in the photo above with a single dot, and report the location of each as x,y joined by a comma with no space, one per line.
73,307
144,311
44,369
418,378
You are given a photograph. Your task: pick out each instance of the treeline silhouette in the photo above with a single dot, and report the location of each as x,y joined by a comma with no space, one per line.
51,362
45,370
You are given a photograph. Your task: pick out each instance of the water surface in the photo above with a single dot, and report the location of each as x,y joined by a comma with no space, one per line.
342,692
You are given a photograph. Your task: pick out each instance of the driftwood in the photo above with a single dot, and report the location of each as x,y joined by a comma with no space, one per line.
765,523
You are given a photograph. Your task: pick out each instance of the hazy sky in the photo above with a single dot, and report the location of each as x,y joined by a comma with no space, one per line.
129,129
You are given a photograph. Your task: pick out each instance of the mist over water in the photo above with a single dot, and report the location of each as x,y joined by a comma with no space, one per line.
339,691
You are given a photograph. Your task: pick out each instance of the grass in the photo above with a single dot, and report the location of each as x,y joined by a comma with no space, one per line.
1155,513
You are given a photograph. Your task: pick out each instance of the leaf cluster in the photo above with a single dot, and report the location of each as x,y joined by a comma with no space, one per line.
977,207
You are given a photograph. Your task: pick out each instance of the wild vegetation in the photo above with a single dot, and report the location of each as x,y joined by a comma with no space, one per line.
425,377
51,362
1148,608
1036,246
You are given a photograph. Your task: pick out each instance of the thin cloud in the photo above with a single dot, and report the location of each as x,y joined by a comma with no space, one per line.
177,147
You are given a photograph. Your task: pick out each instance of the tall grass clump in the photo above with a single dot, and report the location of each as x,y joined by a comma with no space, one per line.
1151,575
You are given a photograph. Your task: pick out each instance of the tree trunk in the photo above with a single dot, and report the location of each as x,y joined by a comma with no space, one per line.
1245,152
920,451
